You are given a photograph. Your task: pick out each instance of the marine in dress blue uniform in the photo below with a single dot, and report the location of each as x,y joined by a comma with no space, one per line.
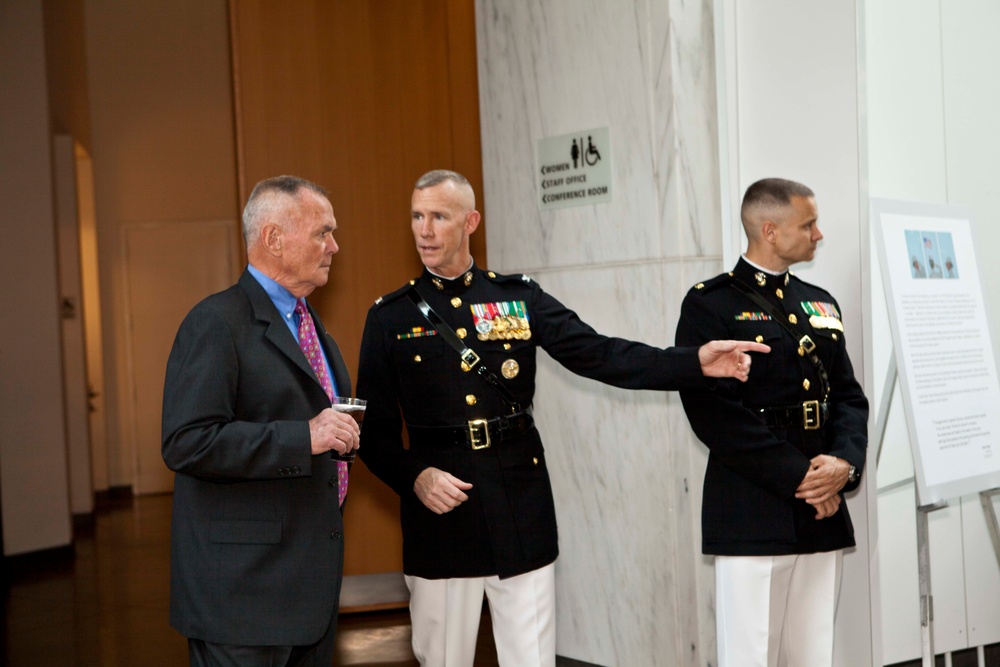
795,432
489,524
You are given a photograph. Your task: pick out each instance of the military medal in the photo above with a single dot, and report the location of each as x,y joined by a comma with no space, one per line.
818,322
510,369
505,320
823,315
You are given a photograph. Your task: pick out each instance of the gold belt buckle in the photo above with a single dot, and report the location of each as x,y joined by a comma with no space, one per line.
811,415
479,434
807,344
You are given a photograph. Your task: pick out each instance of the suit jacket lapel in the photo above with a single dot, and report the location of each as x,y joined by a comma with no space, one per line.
277,331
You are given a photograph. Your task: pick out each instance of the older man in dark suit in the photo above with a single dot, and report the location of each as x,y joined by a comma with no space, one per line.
257,535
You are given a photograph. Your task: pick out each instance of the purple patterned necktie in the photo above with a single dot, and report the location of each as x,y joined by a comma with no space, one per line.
309,342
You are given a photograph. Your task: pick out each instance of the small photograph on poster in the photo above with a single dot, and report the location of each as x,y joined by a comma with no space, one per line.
948,258
915,251
934,268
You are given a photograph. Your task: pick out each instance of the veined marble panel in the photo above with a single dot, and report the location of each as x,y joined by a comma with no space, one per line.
645,70
685,120
626,469
627,491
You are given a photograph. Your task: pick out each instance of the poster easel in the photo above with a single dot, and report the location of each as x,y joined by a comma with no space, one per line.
943,359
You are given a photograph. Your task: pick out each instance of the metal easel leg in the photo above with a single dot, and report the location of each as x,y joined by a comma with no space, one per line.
926,600
986,498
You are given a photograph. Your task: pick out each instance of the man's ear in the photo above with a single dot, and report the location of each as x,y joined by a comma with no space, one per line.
270,239
768,230
471,221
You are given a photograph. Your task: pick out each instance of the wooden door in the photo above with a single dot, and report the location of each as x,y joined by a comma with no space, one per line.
170,267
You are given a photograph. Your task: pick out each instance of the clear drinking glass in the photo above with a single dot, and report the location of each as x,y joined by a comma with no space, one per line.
355,407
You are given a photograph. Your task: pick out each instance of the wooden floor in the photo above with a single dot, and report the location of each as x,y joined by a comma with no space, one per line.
105,604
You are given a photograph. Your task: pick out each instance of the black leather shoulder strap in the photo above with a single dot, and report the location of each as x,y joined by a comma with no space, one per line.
806,344
467,354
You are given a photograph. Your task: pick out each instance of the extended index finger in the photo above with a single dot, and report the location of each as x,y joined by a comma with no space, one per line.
752,346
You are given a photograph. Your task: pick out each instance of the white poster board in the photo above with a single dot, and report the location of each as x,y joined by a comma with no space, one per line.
941,342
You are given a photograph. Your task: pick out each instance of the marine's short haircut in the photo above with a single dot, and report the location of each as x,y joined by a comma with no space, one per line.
438,176
768,194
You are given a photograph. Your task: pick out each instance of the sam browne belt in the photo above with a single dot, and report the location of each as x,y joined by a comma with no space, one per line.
810,415
475,434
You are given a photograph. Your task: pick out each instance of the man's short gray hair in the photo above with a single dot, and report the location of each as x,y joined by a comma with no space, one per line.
267,201
438,176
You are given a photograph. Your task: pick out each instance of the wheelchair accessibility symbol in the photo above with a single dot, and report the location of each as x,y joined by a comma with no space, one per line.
591,156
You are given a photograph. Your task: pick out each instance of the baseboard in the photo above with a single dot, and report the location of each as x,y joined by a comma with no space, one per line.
112,497
35,562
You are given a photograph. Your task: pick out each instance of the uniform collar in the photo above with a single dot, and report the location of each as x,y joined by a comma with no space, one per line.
451,286
760,279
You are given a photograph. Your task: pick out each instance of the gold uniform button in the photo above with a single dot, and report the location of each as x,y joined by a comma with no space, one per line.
802,351
793,319
470,399
534,459
700,286
456,302
461,332
491,274
781,295
506,346
417,358
805,384
510,369
759,339
466,367
834,336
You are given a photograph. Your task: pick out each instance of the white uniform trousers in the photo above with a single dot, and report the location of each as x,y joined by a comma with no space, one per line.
776,611
445,618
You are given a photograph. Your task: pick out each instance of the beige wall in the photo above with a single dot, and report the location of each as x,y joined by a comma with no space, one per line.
33,478
162,147
352,95
66,69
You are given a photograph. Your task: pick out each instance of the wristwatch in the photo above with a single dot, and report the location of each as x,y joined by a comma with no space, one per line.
852,474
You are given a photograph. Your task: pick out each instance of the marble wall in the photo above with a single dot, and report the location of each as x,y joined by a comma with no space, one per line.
632,586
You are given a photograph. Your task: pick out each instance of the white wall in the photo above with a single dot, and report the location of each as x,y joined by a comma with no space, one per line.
33,483
932,118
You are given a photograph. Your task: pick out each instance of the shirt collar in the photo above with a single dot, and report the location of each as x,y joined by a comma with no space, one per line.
761,268
281,297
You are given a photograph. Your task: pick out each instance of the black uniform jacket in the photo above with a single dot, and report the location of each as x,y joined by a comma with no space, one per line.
508,525
256,534
749,506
